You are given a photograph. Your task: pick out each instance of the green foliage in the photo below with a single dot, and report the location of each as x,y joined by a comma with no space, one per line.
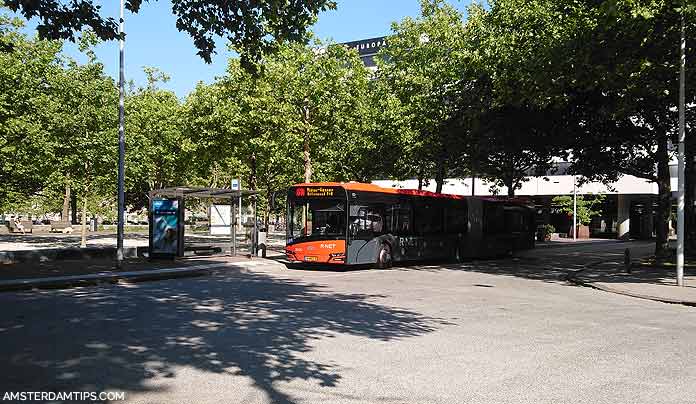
27,68
587,207
512,132
548,229
302,117
424,61
253,28
498,94
158,151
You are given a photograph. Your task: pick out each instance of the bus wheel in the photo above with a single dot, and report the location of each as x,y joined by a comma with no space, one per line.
384,259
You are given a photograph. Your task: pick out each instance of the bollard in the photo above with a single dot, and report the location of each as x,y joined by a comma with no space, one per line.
262,247
627,260
261,242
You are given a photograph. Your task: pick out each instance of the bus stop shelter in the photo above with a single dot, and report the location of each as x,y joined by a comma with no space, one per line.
182,194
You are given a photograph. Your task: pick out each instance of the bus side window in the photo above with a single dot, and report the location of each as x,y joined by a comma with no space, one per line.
456,217
375,220
402,219
389,219
368,222
514,221
428,218
494,220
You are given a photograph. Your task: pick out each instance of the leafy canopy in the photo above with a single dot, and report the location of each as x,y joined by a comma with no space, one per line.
252,27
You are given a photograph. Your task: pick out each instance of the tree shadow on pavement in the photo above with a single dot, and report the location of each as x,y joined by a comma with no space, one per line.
615,272
246,324
554,265
528,269
550,268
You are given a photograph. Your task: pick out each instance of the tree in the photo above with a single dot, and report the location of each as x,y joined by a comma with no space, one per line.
301,118
213,122
318,96
159,152
513,132
254,28
82,132
270,159
512,142
624,114
586,208
423,61
27,68
610,68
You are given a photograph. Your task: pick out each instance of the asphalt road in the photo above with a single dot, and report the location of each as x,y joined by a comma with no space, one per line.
503,331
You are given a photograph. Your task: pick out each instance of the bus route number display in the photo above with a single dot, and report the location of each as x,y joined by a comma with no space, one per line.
315,192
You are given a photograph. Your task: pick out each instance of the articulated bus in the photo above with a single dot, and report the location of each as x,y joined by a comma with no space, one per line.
355,223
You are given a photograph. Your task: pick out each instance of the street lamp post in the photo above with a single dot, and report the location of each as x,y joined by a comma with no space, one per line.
121,143
575,211
682,136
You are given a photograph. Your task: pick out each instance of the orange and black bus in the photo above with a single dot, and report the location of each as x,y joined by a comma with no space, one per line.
355,223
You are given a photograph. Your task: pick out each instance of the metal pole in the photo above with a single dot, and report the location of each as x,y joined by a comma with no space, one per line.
682,135
575,211
121,143
239,215
233,225
255,238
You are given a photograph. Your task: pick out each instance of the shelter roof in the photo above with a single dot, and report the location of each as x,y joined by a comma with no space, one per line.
200,192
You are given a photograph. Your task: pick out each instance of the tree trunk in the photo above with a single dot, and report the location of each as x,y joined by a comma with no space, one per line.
664,200
306,150
73,209
440,178
307,161
421,181
64,215
269,202
252,174
510,185
83,241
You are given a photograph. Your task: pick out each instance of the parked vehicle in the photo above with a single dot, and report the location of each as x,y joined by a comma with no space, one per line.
354,223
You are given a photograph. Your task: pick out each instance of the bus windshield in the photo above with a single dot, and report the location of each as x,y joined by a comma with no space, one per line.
317,219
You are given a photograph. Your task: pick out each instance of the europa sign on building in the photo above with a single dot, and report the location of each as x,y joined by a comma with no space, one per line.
367,48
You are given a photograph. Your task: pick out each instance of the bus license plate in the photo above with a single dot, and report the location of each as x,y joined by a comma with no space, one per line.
310,258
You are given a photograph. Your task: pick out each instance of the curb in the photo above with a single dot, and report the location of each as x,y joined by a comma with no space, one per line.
538,244
60,282
591,285
570,275
55,254
572,278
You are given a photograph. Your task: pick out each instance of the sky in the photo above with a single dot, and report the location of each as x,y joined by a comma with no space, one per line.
153,40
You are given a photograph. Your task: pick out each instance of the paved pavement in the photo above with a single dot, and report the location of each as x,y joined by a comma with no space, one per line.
24,242
647,282
94,272
60,268
504,331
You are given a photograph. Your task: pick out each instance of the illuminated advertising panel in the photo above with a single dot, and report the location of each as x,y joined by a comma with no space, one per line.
166,228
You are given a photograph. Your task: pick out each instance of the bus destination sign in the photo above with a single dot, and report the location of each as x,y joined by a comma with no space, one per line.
315,192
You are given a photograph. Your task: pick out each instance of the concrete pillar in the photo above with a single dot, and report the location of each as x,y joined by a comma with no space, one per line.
647,219
546,212
623,216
